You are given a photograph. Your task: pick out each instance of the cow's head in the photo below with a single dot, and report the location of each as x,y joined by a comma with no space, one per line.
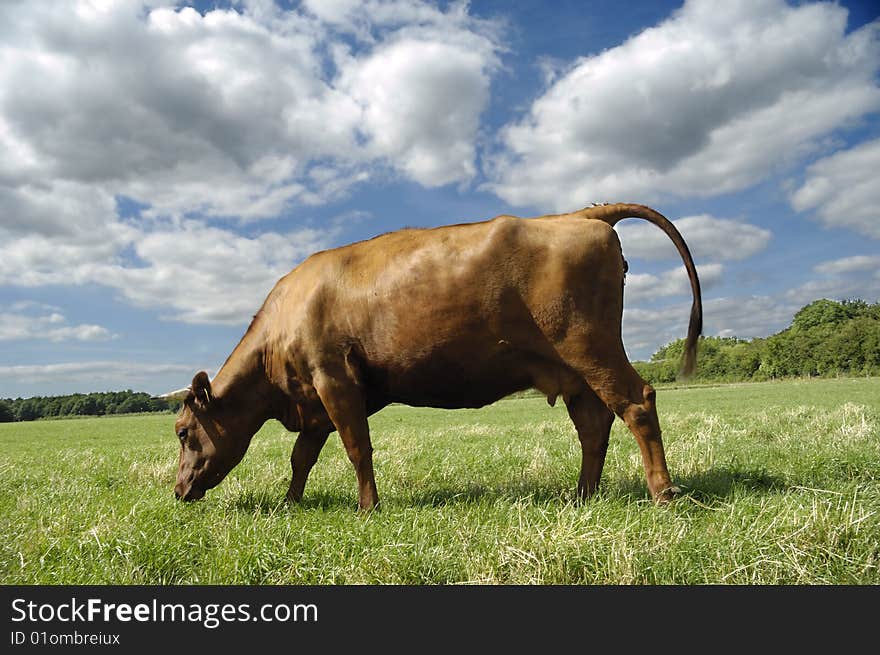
212,439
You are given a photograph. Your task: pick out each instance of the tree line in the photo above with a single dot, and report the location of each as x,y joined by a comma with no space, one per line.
825,338
81,404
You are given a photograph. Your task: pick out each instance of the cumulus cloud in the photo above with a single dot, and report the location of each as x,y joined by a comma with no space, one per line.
853,264
118,373
202,274
19,324
69,211
205,274
709,101
644,329
842,189
748,317
421,99
36,260
840,285
855,276
708,238
675,282
226,113
176,110
235,114
358,16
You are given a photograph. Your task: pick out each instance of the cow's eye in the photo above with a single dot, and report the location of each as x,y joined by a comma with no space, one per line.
181,434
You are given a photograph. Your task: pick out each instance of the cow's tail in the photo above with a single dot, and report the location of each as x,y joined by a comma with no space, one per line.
611,214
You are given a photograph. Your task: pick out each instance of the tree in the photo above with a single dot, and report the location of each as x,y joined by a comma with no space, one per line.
6,414
132,404
28,410
85,406
819,312
825,338
745,359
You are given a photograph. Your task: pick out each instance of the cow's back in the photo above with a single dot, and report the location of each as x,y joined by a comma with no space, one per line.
434,283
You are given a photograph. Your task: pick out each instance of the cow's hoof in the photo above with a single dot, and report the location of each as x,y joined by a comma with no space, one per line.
668,494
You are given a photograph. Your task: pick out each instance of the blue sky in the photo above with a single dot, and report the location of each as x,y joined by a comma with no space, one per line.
161,165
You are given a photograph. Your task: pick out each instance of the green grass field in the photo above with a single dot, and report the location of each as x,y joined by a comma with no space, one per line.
782,485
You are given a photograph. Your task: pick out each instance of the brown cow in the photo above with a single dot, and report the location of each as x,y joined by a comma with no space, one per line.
455,316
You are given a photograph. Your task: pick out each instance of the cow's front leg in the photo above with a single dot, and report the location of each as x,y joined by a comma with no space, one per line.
346,407
305,453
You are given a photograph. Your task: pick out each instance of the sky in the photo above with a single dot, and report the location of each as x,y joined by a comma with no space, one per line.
162,164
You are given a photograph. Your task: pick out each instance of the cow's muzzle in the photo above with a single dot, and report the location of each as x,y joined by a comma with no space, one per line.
189,494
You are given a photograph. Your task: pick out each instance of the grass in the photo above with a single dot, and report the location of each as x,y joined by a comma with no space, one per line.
782,485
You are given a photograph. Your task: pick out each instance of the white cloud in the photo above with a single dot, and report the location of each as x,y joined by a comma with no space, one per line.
843,189
228,114
363,18
747,317
191,107
119,373
838,286
72,211
421,99
36,260
853,264
709,101
15,325
675,282
645,330
855,276
208,275
707,237
201,273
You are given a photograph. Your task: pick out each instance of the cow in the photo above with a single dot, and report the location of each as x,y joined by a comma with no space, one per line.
451,317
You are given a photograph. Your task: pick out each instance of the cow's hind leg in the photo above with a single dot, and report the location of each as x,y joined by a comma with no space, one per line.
609,373
305,453
592,420
346,408
640,415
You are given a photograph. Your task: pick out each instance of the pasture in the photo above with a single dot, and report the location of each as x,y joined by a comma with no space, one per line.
781,481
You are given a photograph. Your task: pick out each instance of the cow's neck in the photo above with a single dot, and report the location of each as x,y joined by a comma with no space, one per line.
257,393
242,387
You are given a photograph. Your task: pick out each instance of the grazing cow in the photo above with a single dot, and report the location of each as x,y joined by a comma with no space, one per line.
455,316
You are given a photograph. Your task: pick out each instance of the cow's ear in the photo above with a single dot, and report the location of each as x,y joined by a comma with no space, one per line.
201,388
